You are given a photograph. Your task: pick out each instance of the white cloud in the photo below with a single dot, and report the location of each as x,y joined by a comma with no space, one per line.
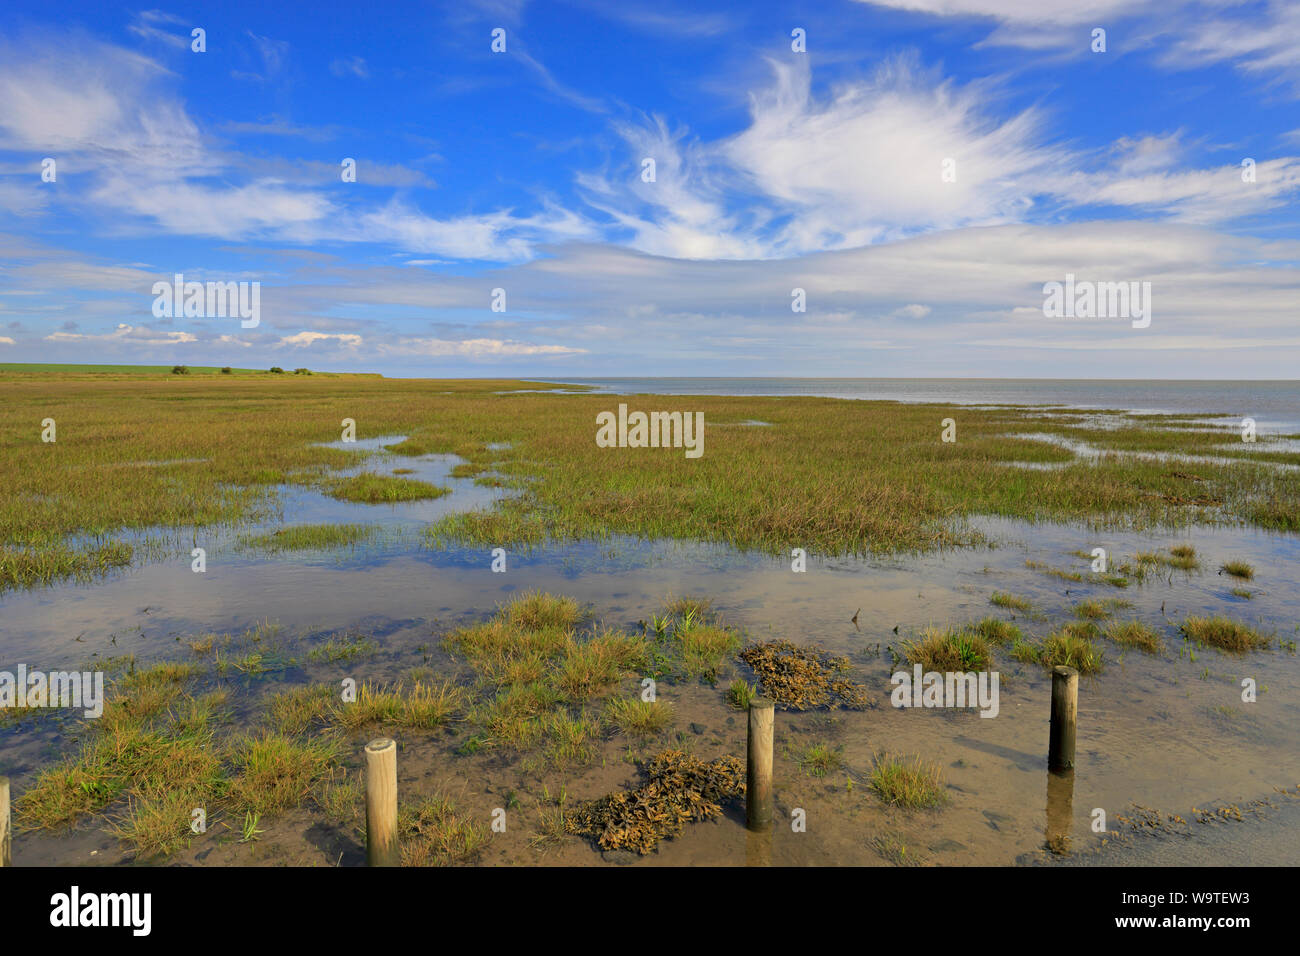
133,335
868,159
350,66
1265,43
472,348
149,165
94,100
1260,39
499,236
153,25
303,339
865,163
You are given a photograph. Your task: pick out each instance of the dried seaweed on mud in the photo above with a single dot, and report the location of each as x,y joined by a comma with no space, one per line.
801,678
680,789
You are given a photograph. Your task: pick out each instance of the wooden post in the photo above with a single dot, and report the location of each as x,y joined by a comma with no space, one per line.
1060,810
758,784
6,829
1065,714
382,848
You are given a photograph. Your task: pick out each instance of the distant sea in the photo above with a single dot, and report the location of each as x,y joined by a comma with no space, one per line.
1275,406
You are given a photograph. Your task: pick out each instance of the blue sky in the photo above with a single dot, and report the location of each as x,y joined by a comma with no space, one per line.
775,170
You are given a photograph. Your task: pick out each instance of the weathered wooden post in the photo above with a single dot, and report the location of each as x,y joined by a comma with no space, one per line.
758,783
1060,810
6,840
382,848
1065,715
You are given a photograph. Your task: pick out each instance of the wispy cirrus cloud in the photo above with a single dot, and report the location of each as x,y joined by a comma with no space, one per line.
1261,39
865,162
148,165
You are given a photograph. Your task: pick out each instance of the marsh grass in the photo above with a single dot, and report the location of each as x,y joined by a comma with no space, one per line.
309,537
1134,634
540,611
430,705
410,447
299,709
136,747
1073,646
912,785
161,749
514,716
1096,609
703,648
569,740
893,849
817,760
202,645
1010,601
1025,651
1181,557
691,608
876,481
996,631
342,799
49,564
741,694
275,772
1224,633
159,824
422,707
540,664
633,717
947,649
371,488
140,695
592,668
343,647
194,715
1239,569
1054,572
256,651
551,827
433,833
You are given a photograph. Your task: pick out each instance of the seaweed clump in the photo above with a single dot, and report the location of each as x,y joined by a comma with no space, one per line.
801,678
680,789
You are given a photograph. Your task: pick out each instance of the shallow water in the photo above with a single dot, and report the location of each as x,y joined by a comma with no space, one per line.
1162,732
1275,406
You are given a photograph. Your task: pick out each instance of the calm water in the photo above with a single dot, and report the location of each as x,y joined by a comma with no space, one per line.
1275,406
